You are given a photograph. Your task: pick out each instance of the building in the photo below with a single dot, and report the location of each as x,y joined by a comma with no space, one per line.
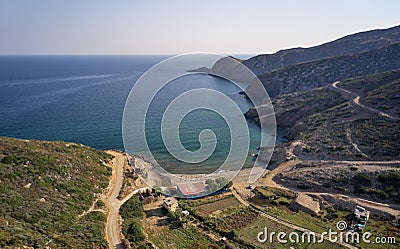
361,216
170,203
191,189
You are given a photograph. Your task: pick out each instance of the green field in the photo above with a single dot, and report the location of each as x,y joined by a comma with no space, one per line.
328,220
249,234
209,208
174,235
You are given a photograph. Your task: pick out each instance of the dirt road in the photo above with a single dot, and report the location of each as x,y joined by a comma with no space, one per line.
287,165
356,101
112,228
113,204
282,222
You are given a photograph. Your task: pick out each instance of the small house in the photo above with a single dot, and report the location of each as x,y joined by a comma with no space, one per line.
361,216
170,203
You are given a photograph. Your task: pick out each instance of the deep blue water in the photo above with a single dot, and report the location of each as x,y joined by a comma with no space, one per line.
81,99
71,98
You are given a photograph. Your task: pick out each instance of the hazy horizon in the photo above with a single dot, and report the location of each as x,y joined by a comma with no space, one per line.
46,27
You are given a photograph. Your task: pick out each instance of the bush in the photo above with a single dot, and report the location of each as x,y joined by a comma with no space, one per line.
133,231
100,204
132,208
131,212
7,160
360,190
362,179
391,179
377,192
303,186
326,185
217,184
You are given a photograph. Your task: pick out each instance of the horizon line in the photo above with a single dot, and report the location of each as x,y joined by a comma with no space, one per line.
237,53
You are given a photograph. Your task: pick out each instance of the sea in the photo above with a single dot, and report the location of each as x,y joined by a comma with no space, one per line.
81,99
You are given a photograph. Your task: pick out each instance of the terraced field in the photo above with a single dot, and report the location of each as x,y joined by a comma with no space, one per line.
209,208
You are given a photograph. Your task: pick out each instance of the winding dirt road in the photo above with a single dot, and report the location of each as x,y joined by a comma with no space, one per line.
112,227
113,204
282,222
268,180
356,101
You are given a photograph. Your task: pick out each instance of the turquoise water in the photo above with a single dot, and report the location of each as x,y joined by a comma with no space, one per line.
195,122
81,99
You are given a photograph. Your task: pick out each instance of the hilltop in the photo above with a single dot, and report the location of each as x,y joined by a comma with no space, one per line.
309,75
347,45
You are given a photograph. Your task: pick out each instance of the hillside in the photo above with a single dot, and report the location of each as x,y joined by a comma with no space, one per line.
380,91
342,128
348,45
44,187
356,119
290,108
305,76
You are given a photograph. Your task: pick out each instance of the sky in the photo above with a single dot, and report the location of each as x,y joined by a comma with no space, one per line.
183,26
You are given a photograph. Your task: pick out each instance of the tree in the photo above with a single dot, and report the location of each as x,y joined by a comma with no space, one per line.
135,232
221,181
212,187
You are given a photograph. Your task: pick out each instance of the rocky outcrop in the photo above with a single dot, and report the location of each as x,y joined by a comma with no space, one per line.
227,67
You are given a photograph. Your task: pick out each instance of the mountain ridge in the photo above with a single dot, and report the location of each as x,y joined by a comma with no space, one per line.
307,75
350,44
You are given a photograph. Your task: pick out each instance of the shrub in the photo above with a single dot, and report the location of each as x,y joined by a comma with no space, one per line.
133,231
131,212
326,185
390,179
100,204
377,192
7,160
362,179
303,186
132,208
58,174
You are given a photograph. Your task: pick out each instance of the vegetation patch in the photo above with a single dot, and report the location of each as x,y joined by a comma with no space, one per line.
271,197
131,213
209,208
44,187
